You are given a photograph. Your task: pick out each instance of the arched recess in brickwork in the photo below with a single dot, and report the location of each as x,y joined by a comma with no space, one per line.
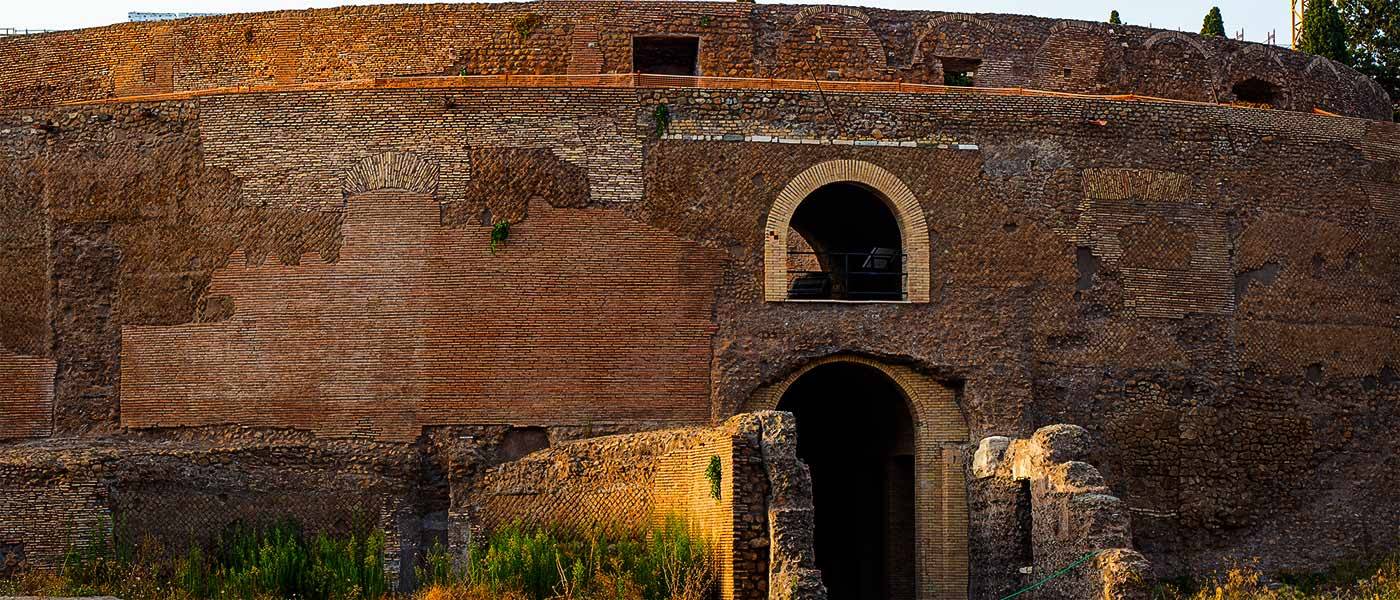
1195,74
391,171
858,31
941,518
971,41
908,212
1074,56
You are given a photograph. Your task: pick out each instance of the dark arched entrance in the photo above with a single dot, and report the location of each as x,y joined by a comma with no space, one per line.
855,432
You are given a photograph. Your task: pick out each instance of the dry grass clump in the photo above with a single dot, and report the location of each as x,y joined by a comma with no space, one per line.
1347,581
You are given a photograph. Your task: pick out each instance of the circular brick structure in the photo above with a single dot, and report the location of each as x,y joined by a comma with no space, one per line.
249,264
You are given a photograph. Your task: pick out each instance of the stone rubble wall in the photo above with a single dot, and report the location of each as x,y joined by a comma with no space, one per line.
736,40
1073,513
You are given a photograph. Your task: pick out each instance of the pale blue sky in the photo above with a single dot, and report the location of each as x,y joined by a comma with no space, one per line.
1256,17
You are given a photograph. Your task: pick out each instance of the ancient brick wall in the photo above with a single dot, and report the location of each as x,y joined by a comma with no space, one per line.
1054,258
736,39
1210,291
630,480
177,492
381,336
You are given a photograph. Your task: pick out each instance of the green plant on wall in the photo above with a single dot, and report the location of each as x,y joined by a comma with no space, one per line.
662,116
499,233
715,473
525,25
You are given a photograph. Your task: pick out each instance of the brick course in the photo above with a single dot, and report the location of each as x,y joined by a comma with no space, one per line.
1209,291
737,39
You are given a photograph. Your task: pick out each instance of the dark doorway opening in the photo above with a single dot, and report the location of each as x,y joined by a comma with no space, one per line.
1256,92
855,432
844,244
666,55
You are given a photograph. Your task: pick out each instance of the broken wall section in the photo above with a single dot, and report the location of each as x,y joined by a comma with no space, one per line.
627,480
1075,523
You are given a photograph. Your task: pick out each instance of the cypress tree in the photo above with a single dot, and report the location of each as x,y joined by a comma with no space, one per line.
1214,24
1113,18
1323,33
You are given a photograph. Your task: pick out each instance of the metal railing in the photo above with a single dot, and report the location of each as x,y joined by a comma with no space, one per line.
12,31
875,275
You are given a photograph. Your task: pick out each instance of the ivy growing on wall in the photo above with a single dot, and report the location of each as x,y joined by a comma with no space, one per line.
714,473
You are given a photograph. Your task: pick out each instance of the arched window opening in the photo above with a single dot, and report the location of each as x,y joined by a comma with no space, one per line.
863,478
1256,92
846,247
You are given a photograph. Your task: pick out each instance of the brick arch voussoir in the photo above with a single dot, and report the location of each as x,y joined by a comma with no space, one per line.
936,24
391,171
935,413
908,212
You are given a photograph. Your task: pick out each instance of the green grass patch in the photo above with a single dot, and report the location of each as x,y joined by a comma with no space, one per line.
277,560
667,562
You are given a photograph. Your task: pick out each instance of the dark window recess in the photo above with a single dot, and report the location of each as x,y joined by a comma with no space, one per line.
520,441
1256,91
666,55
851,249
960,72
1025,547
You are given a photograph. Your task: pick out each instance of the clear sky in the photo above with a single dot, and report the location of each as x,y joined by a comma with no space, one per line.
1256,17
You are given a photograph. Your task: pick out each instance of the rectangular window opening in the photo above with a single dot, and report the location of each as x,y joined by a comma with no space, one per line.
666,55
961,72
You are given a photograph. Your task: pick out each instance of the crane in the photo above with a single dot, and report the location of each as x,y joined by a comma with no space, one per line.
1299,7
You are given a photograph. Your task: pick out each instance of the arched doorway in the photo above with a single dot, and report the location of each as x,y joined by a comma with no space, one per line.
856,434
845,245
852,410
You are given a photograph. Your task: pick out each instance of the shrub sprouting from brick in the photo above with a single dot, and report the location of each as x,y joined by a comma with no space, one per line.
714,473
500,232
525,25
662,117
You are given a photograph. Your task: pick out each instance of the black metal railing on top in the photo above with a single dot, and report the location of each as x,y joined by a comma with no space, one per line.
874,275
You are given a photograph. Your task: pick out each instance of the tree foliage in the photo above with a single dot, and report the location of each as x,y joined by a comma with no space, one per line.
1323,32
1214,24
1373,40
1113,18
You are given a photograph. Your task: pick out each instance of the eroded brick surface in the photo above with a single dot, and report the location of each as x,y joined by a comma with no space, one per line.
225,301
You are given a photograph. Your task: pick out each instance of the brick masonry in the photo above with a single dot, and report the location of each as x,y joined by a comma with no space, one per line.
631,480
1209,291
737,39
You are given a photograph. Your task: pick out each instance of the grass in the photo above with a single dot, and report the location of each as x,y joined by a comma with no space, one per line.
280,560
1346,581
273,561
531,563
